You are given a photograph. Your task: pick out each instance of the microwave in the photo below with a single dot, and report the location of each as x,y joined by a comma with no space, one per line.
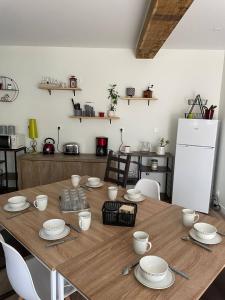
12,141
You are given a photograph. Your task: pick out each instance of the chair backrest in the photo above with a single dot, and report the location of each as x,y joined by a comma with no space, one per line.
149,188
117,169
18,273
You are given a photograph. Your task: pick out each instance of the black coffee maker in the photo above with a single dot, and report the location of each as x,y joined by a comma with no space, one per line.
101,146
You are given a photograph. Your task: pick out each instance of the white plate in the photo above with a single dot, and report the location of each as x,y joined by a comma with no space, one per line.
8,207
141,198
95,186
48,237
159,285
216,240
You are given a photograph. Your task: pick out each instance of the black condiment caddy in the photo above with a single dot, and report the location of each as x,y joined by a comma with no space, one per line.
112,216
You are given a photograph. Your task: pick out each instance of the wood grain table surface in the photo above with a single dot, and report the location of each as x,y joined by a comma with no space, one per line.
97,273
93,261
25,227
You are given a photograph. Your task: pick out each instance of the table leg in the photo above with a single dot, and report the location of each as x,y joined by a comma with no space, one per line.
60,286
53,285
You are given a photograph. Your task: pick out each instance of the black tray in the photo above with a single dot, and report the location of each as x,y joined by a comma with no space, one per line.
111,215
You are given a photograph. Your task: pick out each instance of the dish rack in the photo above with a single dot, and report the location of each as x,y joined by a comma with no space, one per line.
196,102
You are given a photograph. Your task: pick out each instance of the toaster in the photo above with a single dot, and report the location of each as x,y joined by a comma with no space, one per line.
72,148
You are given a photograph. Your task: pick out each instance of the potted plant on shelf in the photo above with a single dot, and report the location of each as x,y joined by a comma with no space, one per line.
162,145
113,96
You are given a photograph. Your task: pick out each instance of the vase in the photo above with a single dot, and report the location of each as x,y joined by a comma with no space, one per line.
160,150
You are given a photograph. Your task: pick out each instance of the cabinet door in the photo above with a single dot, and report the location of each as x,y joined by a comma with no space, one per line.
29,174
193,177
94,169
84,168
34,173
50,171
71,168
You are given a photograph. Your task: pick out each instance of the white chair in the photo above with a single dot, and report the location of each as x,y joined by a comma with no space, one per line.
149,188
30,279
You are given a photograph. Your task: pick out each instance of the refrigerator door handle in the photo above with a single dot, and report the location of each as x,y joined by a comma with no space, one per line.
196,146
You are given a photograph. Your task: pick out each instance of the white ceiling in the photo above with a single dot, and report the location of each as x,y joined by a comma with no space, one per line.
202,27
104,23
81,23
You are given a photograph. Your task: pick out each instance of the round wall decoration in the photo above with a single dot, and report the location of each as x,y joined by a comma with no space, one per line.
9,90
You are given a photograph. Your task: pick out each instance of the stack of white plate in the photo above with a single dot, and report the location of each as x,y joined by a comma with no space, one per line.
54,229
154,272
16,203
205,233
134,195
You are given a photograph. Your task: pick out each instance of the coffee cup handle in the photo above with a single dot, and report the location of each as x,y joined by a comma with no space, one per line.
35,203
149,246
196,218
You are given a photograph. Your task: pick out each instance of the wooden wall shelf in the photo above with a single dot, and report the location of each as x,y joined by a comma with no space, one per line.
138,99
50,88
95,118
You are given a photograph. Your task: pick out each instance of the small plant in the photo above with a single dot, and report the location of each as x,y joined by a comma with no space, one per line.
113,96
163,142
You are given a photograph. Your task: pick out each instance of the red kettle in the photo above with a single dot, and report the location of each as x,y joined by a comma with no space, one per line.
49,147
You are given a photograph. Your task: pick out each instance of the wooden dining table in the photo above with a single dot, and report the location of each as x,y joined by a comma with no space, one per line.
92,263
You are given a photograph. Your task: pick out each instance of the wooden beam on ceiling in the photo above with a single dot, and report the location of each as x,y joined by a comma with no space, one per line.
162,17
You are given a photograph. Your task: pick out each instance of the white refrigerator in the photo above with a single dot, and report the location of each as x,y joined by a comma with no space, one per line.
194,163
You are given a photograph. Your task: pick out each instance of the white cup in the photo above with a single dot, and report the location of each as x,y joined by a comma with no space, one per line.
140,242
153,268
17,201
112,192
54,226
189,217
94,181
41,202
84,220
127,149
75,180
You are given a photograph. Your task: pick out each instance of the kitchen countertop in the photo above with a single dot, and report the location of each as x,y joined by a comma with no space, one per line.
86,157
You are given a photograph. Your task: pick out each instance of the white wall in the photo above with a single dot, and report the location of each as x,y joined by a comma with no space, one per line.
176,74
220,170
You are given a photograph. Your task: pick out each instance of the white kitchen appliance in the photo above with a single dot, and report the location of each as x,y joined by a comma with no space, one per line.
194,163
13,141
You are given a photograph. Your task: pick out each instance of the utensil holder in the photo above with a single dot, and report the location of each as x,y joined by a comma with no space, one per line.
112,216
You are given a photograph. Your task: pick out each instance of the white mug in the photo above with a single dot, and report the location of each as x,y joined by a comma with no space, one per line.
127,149
112,192
84,220
75,180
140,242
189,217
41,202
